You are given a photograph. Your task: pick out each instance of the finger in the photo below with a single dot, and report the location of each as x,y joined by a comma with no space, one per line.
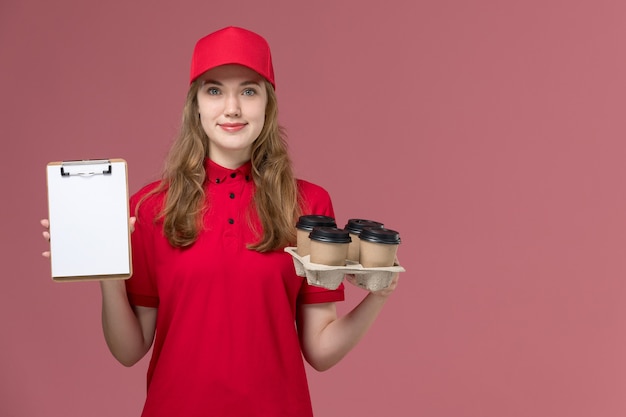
45,223
351,278
132,222
46,235
45,254
392,285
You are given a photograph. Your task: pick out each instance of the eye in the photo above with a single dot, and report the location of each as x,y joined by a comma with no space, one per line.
249,92
213,91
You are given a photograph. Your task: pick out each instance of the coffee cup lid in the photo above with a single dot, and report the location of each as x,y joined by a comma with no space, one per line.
309,221
380,235
330,235
355,226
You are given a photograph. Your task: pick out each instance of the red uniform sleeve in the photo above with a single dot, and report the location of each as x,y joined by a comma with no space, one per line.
140,287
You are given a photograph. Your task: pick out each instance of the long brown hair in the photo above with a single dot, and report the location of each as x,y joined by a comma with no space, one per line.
276,199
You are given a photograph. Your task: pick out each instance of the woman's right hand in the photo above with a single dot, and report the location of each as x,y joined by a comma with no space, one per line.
46,233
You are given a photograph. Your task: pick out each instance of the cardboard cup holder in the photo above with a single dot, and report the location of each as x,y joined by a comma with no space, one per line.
329,277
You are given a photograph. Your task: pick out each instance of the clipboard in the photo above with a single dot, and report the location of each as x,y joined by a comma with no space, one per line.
88,211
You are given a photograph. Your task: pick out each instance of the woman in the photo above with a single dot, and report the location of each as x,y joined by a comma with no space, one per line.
213,291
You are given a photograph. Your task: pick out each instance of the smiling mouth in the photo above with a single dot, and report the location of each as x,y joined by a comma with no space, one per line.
232,127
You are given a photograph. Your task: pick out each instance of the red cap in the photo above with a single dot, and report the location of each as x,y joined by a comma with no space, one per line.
232,45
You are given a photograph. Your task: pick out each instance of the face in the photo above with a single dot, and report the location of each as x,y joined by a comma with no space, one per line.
231,103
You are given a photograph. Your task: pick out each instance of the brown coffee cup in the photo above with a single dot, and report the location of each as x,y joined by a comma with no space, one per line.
378,247
354,227
329,246
305,225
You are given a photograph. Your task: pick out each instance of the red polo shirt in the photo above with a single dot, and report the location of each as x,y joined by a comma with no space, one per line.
226,342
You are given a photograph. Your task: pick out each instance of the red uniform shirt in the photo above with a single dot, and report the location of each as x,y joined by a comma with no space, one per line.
226,342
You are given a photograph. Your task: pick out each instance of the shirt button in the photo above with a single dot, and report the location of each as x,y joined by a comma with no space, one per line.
232,195
231,221
247,177
217,180
233,175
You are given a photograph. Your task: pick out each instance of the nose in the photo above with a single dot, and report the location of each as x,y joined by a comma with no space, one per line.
232,106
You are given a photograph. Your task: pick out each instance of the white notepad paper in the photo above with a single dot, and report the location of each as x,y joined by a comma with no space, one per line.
88,213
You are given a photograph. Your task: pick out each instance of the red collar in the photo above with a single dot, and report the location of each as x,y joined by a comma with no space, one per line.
217,174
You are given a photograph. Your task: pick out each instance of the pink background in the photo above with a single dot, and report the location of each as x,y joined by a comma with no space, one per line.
489,133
